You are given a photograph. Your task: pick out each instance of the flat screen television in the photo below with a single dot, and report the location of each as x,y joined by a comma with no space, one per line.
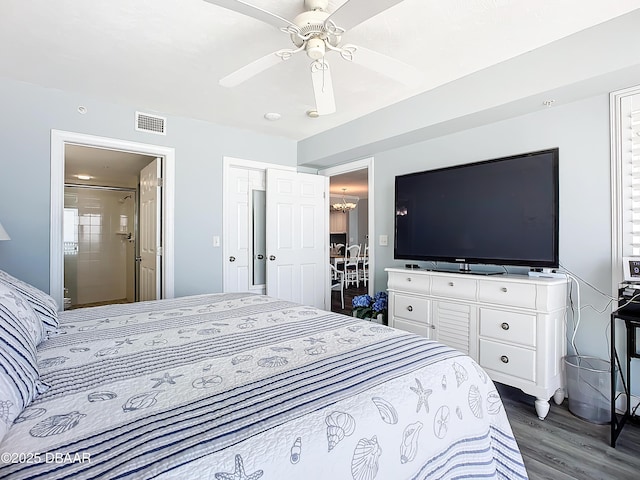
500,212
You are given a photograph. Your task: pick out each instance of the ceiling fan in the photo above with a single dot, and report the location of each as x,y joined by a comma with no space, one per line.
318,32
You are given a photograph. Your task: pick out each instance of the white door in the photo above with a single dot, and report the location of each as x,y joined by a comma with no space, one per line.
239,275
149,285
297,237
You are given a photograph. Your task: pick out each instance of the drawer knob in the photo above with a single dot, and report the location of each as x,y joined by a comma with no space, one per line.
410,308
451,284
408,279
503,289
504,359
505,326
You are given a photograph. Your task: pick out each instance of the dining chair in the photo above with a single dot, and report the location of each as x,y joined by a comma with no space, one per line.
364,270
364,265
351,267
337,282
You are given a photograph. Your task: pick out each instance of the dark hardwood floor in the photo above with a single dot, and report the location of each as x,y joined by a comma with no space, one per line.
565,447
349,293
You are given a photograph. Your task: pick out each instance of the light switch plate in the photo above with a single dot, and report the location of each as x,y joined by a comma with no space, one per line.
383,240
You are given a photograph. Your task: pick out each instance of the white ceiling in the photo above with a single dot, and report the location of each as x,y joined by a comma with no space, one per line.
105,167
166,56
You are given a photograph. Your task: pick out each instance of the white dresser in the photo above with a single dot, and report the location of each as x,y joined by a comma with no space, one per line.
512,325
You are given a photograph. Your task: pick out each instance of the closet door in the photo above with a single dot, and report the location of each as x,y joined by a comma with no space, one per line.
240,221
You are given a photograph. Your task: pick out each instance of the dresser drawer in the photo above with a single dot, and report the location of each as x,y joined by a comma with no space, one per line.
409,282
411,308
451,287
508,293
508,326
508,359
419,328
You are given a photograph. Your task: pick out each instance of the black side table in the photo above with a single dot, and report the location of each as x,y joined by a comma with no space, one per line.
632,323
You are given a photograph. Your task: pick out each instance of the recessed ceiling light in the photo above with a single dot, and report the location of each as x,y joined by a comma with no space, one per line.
312,114
272,116
84,177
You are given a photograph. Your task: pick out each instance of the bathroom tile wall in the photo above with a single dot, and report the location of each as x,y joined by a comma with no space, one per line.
101,268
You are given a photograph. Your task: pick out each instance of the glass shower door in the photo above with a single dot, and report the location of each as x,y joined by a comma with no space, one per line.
99,246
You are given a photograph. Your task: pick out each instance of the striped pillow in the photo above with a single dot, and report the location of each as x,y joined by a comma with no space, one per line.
24,313
19,377
44,305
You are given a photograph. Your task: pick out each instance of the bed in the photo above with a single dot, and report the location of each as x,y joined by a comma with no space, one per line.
244,386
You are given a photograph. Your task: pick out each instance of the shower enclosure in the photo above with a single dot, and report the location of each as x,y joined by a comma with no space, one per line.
100,226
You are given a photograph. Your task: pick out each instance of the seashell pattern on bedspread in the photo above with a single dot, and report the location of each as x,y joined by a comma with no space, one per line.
56,424
247,386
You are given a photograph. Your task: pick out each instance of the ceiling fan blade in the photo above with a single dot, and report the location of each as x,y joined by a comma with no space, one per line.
245,73
354,12
383,64
323,87
253,11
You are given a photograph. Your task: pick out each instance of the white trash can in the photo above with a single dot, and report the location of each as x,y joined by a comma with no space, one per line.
589,388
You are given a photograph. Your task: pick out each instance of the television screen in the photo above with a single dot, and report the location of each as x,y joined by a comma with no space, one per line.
501,212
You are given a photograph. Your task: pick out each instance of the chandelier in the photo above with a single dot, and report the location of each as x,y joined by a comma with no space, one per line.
344,206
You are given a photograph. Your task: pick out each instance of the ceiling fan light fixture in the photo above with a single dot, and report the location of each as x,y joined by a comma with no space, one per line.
315,48
317,31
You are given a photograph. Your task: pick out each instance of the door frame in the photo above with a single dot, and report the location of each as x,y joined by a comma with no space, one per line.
59,139
227,164
365,163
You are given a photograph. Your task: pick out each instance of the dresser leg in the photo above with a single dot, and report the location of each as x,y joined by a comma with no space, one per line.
558,397
542,408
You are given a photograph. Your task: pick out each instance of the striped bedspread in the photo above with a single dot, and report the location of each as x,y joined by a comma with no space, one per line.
241,387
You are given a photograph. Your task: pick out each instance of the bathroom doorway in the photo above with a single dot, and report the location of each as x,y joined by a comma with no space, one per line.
62,143
101,226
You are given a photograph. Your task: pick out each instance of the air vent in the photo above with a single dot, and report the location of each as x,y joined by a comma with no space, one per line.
151,123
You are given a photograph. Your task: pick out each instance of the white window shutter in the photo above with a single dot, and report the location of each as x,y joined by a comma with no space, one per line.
631,184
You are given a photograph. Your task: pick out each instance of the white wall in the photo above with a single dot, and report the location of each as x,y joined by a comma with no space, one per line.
581,131
28,115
